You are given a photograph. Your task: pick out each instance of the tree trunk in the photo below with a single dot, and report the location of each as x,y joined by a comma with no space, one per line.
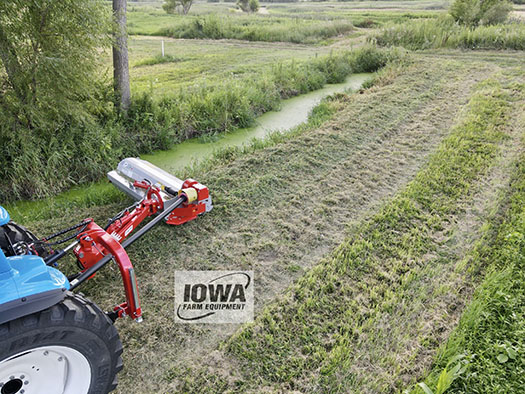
120,56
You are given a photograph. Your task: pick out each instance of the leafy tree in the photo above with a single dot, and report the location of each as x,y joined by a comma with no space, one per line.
480,12
49,86
48,52
180,6
248,5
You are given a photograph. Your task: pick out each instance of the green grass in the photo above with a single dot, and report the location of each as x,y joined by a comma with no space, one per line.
267,218
252,28
236,26
153,124
489,342
213,111
444,33
205,62
310,334
236,102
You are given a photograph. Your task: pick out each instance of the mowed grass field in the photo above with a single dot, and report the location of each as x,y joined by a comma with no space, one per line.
197,63
358,287
386,234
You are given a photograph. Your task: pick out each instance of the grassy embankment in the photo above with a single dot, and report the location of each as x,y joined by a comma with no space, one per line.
237,102
158,124
357,308
445,33
485,352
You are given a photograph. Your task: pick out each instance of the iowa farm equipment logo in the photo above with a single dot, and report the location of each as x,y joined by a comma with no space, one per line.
213,296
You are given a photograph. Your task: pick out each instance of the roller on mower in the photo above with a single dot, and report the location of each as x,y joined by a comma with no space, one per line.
54,340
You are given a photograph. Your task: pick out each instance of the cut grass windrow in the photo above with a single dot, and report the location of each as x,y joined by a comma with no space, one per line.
318,335
485,353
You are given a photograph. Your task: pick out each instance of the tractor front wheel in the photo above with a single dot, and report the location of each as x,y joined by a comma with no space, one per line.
71,348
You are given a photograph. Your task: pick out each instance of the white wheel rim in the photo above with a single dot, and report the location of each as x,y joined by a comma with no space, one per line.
46,370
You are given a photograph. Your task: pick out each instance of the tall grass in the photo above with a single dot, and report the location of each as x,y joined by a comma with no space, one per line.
445,33
43,167
150,61
255,28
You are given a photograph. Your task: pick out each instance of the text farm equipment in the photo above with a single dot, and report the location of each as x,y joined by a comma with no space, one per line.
53,340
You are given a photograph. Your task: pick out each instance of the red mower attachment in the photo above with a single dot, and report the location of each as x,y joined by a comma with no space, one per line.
159,195
190,211
136,177
96,243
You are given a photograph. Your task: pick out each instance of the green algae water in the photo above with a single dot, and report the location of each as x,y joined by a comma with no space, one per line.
293,112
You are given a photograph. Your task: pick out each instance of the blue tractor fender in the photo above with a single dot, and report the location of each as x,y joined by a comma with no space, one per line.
27,284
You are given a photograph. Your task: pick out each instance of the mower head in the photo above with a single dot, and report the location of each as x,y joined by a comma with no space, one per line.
136,177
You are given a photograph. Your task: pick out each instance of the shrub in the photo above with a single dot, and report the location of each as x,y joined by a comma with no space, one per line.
180,6
248,5
480,12
253,5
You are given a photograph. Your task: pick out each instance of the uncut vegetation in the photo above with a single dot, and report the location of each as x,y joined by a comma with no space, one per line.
444,32
307,17
257,29
158,124
50,96
478,12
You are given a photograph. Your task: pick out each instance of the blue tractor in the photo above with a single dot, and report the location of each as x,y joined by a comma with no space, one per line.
56,341
51,339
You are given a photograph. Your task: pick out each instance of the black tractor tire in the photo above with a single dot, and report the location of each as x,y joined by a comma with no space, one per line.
75,323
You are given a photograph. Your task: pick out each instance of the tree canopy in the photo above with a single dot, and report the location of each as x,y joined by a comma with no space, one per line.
180,6
49,69
48,52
